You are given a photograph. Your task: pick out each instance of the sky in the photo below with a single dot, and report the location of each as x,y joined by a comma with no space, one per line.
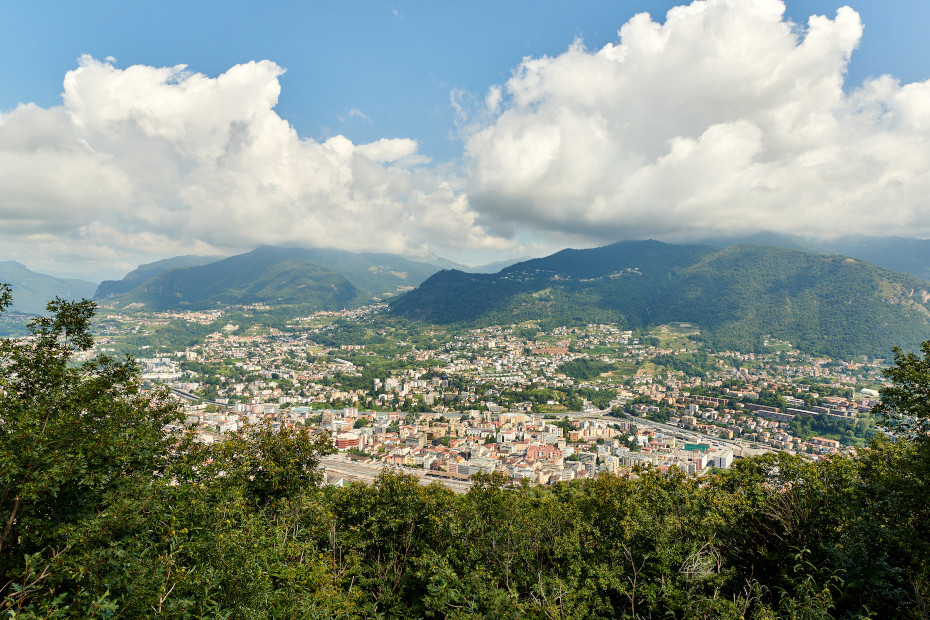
476,131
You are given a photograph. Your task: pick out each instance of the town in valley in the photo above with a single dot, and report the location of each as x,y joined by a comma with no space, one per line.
533,404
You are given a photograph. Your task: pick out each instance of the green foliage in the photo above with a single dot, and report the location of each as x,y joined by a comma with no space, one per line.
768,398
585,368
264,464
73,435
109,515
905,404
694,364
177,335
821,304
848,432
600,398
527,333
94,487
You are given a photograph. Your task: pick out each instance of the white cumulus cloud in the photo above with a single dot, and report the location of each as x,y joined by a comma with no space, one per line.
154,161
725,119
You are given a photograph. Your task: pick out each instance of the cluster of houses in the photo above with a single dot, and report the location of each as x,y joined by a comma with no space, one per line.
465,421
522,446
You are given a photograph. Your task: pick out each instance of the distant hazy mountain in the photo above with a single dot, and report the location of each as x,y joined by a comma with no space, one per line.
113,288
322,278
439,262
373,273
256,277
829,305
32,291
497,266
904,254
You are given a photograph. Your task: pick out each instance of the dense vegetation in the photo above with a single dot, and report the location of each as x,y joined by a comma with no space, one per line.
143,273
267,280
103,514
903,254
314,278
693,364
586,368
850,432
824,305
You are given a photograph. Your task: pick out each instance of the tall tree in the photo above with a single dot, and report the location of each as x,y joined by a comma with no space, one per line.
905,403
72,433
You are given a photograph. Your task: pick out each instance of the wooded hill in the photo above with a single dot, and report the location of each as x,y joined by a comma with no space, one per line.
321,279
143,273
827,305
33,290
902,254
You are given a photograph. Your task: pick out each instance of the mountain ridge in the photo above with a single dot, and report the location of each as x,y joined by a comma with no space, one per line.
115,288
331,279
903,254
33,290
824,304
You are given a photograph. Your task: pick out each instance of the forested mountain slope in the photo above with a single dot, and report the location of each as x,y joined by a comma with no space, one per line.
247,279
143,273
831,305
32,290
259,276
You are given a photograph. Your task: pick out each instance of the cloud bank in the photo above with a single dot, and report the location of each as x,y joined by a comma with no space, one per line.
161,161
725,119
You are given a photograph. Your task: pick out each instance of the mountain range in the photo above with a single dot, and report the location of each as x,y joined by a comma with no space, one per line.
32,291
904,254
143,273
739,295
323,279
821,300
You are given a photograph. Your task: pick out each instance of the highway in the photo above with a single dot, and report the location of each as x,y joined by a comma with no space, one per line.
740,448
340,466
195,398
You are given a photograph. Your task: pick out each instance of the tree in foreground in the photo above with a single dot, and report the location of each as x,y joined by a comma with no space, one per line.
72,435
104,513
905,404
107,505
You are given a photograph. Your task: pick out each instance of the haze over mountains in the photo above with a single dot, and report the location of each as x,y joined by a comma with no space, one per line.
324,279
904,254
32,291
276,275
143,273
806,292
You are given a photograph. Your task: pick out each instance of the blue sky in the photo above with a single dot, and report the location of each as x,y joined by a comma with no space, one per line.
396,62
370,71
